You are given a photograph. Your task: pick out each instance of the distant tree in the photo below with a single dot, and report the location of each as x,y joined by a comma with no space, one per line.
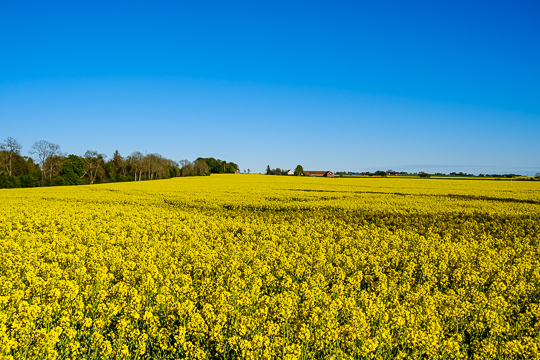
9,182
135,161
54,165
249,171
72,170
299,171
423,174
201,168
183,163
215,165
118,160
231,167
538,175
218,166
11,148
268,170
187,169
24,165
45,151
115,169
93,165
156,166
29,180
174,170
17,165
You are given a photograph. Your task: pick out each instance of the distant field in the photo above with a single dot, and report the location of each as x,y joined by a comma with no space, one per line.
447,177
271,267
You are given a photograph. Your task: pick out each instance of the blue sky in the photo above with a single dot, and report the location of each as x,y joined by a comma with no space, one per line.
337,85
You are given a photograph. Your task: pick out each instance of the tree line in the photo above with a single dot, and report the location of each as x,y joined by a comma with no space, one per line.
298,171
49,166
427,175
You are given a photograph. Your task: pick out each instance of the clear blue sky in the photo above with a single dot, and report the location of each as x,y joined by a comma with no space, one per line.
358,85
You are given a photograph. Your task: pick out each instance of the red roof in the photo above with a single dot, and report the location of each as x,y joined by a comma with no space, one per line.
319,173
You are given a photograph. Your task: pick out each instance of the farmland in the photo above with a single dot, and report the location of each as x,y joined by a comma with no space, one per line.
267,267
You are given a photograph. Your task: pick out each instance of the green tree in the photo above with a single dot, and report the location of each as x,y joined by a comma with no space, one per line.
9,182
72,170
218,166
231,167
299,171
119,163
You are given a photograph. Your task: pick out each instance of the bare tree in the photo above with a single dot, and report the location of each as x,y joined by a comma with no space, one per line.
93,164
54,164
159,166
183,163
186,168
136,162
44,151
152,164
11,148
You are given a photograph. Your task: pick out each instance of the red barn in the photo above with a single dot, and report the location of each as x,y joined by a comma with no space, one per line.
320,173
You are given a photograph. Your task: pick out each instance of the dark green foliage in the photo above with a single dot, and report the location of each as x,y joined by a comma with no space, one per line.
9,182
72,171
277,171
29,180
218,166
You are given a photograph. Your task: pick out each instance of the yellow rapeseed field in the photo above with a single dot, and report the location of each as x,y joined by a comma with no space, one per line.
271,267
